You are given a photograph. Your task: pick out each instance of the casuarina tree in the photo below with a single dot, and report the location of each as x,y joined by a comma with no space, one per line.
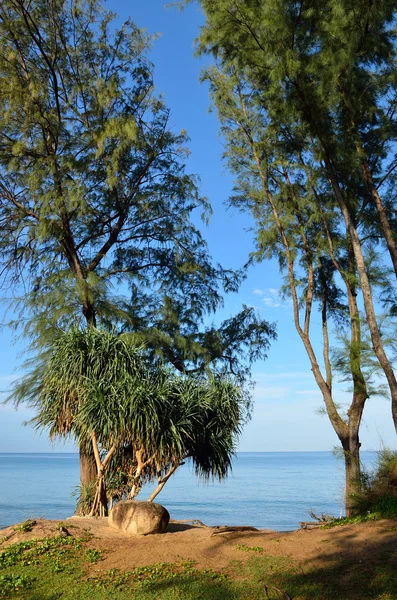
306,96
95,201
329,67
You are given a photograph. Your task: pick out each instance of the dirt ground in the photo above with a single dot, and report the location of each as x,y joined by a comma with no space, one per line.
353,543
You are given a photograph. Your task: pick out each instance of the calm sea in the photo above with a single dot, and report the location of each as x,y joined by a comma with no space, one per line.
274,490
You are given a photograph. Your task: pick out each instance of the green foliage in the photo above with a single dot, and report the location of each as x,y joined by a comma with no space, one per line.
93,555
379,493
94,196
14,583
97,382
54,550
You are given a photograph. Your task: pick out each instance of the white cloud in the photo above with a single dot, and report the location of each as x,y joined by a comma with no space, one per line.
271,297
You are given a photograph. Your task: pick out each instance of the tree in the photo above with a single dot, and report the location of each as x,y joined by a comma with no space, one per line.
98,388
94,196
307,68
295,223
329,67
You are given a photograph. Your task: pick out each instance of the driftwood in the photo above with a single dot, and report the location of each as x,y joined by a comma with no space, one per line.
313,524
192,521
225,529
217,529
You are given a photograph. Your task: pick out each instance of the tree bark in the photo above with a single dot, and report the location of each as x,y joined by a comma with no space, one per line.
376,338
88,474
351,449
162,481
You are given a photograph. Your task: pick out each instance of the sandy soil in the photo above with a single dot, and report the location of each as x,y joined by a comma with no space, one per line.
353,543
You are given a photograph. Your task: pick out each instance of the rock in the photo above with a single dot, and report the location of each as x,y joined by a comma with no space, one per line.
139,518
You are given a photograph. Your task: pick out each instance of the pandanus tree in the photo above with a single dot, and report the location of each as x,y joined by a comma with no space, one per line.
140,419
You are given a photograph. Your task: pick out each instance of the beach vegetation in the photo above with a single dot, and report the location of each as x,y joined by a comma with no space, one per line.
141,419
25,526
245,548
257,576
93,555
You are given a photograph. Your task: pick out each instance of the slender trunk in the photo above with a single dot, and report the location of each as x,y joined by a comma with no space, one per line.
383,218
99,507
376,338
163,480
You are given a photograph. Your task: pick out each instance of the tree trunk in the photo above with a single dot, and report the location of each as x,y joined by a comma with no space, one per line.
88,473
88,468
351,450
163,480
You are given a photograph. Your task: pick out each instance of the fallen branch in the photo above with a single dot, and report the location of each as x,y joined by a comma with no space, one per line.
313,524
225,529
192,521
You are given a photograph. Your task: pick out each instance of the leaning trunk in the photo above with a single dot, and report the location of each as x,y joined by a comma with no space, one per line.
99,506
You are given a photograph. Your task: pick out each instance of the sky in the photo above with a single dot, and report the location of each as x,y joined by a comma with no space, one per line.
287,402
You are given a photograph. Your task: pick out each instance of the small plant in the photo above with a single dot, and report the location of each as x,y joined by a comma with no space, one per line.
245,548
14,583
4,539
25,526
378,496
93,555
52,550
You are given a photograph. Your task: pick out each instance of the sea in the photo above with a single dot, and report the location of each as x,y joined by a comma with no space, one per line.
273,490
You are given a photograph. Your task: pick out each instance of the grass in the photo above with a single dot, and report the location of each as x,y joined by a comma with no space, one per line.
67,568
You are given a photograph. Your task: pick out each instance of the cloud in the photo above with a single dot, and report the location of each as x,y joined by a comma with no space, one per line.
271,297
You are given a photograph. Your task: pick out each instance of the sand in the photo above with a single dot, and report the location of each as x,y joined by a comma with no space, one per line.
182,542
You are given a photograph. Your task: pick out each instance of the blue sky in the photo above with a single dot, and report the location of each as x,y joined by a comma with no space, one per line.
286,397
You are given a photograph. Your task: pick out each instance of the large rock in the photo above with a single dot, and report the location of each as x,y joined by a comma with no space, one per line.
139,518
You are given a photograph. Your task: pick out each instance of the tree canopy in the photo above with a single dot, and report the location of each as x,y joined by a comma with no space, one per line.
96,204
95,201
305,93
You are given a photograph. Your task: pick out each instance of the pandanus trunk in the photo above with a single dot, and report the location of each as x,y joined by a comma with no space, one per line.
99,507
88,473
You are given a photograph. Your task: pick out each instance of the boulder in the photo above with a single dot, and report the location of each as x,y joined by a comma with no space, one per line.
139,518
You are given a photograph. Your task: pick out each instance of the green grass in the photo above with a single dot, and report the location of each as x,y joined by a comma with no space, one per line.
66,568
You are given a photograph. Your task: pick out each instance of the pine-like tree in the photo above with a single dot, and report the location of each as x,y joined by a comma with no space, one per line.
95,202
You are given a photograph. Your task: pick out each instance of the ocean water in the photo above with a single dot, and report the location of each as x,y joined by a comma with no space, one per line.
272,490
